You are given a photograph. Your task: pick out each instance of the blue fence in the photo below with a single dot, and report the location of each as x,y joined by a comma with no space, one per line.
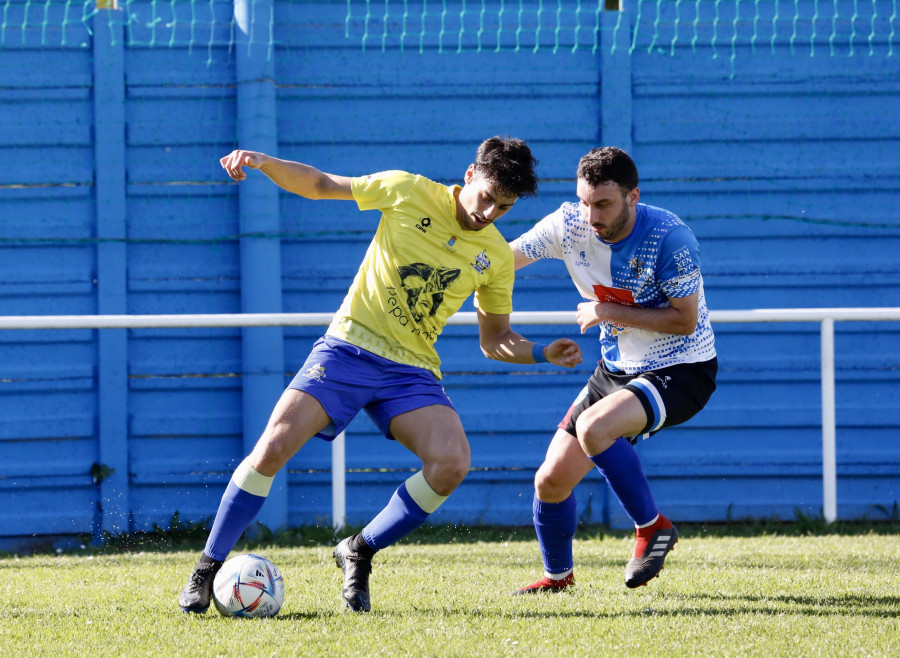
768,126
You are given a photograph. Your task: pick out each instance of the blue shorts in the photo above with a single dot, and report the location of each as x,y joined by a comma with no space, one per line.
345,378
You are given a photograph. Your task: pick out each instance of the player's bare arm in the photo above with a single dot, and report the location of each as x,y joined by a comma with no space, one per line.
500,342
295,177
521,260
680,317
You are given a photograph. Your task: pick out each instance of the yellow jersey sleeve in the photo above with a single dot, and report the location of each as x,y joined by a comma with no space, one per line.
382,190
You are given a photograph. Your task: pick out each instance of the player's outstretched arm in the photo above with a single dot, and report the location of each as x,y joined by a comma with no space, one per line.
500,342
296,177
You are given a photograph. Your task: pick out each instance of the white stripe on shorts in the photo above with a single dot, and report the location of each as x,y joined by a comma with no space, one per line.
647,386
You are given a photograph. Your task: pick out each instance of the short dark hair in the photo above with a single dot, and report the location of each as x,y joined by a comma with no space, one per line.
508,164
608,164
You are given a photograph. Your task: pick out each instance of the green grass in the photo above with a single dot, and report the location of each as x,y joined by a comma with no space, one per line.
737,590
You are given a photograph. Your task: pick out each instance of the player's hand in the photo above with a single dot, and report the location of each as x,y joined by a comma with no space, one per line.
563,352
588,315
235,162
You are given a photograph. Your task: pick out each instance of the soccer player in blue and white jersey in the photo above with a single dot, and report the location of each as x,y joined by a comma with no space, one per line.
638,268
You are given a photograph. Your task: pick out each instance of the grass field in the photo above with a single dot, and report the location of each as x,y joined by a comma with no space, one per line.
741,591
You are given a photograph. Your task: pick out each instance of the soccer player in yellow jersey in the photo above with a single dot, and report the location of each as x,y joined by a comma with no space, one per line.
434,246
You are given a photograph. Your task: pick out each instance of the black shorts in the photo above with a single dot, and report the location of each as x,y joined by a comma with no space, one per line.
670,396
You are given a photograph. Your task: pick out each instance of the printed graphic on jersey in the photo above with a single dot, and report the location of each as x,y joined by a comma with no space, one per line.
683,261
614,295
423,286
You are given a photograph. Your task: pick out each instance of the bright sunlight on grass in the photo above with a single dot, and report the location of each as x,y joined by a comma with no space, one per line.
720,594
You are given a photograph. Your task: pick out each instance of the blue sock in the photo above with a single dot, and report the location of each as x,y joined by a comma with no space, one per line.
401,516
621,467
555,524
237,509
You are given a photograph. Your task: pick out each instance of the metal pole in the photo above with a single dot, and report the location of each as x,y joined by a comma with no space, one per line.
339,482
829,430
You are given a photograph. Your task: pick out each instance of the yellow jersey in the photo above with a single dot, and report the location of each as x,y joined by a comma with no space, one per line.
418,270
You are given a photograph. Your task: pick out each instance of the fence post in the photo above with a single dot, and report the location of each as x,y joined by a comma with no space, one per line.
257,130
829,424
339,482
111,470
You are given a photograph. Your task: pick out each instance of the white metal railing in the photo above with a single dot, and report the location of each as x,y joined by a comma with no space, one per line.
826,317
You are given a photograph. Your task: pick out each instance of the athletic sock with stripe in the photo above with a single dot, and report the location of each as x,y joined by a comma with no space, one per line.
409,507
243,498
621,467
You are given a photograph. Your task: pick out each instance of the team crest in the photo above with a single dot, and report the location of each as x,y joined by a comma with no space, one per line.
637,266
482,262
316,372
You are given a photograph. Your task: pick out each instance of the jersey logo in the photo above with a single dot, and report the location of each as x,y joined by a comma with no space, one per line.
683,261
424,288
424,223
614,295
316,372
637,266
482,262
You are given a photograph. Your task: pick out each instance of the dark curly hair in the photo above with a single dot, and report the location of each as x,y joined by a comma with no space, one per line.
508,164
608,164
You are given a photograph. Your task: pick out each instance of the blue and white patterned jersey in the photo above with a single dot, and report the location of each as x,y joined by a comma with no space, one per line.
657,261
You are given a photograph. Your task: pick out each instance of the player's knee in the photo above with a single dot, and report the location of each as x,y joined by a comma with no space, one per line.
586,429
272,452
458,468
450,471
549,486
592,434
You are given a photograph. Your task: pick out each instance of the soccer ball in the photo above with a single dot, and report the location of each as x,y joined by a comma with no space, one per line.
248,586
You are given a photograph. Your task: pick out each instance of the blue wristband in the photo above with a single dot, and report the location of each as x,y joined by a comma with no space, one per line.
537,353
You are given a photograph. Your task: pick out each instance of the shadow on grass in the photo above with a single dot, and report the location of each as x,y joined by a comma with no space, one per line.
716,605
843,604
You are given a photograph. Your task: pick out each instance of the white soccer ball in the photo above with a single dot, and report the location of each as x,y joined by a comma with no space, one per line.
248,586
